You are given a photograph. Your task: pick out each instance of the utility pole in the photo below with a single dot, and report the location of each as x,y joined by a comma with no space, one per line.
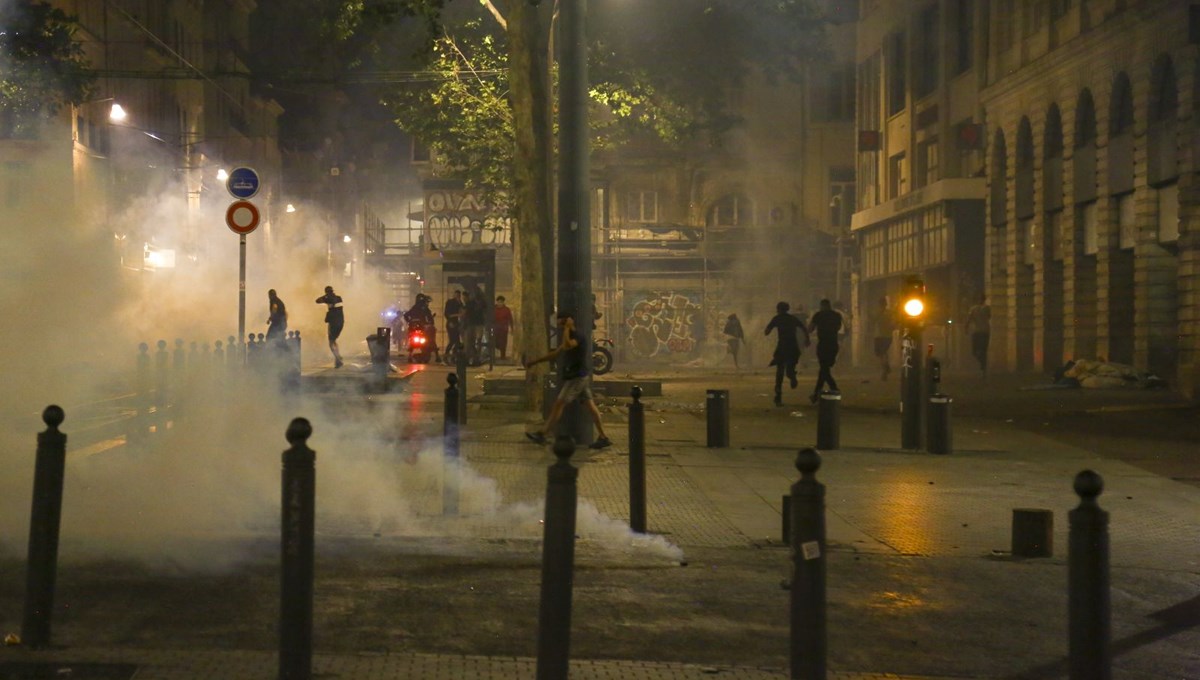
574,218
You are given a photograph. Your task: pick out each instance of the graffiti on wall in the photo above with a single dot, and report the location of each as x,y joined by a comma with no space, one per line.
662,324
463,219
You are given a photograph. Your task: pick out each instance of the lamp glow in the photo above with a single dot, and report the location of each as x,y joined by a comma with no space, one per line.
346,238
290,208
914,307
117,113
222,175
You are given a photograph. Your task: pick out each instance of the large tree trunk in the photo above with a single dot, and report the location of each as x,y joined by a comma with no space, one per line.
527,80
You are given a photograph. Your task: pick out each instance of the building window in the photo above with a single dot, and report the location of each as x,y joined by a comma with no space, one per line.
1091,230
929,171
841,196
1127,221
964,44
731,211
897,176
641,206
896,66
1168,213
1028,236
1055,229
928,55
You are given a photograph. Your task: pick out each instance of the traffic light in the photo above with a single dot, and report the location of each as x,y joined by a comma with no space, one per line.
913,301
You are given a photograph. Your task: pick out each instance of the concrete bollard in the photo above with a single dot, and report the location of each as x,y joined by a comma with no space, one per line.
637,462
829,421
1088,611
44,522
808,633
558,565
450,441
296,582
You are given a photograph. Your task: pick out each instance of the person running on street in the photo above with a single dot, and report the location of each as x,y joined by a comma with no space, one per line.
787,347
825,323
336,319
277,321
576,381
979,325
733,331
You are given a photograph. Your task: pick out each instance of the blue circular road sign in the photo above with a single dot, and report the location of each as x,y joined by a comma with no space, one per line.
242,183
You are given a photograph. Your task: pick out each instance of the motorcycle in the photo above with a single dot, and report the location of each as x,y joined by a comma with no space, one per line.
421,344
602,358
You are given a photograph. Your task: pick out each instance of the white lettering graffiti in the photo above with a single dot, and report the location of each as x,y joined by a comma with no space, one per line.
462,219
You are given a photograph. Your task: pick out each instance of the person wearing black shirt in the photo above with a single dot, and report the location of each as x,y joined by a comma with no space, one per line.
826,323
277,322
733,331
787,347
454,313
336,319
576,381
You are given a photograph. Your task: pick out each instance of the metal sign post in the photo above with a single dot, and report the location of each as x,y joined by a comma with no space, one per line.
242,218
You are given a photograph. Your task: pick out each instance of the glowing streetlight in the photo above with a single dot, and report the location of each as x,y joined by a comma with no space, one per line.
346,238
222,175
117,113
290,208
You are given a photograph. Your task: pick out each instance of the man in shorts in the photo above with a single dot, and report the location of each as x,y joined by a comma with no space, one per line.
576,381
336,318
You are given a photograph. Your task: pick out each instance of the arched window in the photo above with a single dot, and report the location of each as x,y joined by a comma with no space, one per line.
999,179
1052,161
1083,158
1120,137
1163,166
1024,167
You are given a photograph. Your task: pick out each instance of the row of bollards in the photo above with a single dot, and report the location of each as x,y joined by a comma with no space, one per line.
1088,562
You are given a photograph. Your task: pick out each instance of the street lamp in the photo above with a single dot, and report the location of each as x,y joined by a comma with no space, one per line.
911,383
117,113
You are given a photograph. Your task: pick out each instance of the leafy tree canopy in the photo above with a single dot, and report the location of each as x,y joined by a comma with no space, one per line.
42,67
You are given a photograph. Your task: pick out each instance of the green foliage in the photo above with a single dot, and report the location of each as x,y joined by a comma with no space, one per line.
42,67
463,111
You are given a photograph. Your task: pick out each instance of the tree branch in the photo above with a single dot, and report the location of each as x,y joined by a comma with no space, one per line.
495,13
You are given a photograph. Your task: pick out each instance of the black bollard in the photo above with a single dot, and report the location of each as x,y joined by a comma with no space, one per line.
716,407
234,354
1090,655
829,421
141,417
558,565
460,369
808,634
450,435
44,521
296,591
940,438
637,462
160,387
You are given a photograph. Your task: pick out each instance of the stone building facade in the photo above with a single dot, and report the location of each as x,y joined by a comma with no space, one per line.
1085,170
1092,162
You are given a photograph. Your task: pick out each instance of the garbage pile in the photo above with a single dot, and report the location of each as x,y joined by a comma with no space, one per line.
1099,374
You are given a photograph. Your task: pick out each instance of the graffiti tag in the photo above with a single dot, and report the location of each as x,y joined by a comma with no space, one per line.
661,324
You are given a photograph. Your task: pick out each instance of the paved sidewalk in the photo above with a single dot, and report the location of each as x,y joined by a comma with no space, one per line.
920,575
252,665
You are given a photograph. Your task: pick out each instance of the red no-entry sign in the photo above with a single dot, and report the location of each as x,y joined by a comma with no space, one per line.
242,217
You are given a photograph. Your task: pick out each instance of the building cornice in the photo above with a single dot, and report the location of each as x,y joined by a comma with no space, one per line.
953,189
